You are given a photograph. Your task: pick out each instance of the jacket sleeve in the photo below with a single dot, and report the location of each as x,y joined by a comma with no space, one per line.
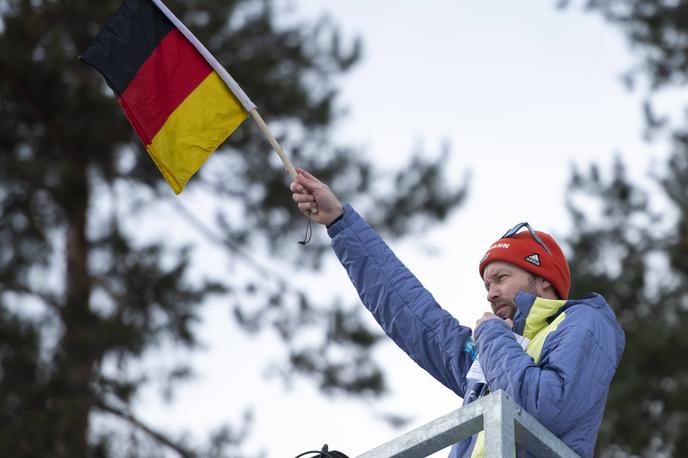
569,385
405,310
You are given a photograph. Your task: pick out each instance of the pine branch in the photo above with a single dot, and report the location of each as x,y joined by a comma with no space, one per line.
225,242
50,301
156,435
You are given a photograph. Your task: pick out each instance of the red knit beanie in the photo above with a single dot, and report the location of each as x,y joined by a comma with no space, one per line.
524,251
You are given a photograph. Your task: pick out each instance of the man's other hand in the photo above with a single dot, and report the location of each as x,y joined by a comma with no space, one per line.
311,193
491,316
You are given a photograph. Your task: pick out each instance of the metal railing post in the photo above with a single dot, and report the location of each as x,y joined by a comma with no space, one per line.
504,422
500,438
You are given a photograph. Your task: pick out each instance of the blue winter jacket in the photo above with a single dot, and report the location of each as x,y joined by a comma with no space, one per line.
563,376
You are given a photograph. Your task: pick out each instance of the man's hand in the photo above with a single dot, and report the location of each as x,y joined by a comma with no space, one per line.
491,316
311,193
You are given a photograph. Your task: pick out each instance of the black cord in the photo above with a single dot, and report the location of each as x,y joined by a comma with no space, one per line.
324,453
307,236
306,453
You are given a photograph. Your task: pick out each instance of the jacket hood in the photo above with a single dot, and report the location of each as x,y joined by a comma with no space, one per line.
534,313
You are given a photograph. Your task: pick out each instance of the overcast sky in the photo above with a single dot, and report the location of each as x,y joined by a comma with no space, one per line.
520,91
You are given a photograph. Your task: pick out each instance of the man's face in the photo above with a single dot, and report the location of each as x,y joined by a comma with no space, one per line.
502,282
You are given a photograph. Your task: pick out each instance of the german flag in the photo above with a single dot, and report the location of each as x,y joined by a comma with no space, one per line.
179,106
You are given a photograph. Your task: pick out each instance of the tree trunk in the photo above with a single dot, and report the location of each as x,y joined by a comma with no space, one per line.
78,353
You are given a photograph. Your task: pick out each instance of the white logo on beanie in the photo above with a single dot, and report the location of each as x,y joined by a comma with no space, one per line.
533,259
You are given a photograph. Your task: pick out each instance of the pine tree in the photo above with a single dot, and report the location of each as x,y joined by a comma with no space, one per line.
633,250
84,295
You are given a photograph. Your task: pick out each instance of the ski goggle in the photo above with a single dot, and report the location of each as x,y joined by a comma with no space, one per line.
511,232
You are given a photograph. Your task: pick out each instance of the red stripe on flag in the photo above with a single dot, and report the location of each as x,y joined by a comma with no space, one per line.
166,78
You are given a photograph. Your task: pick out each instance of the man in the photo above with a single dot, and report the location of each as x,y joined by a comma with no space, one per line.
562,377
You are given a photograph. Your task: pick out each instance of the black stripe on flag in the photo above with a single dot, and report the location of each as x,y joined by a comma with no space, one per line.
126,41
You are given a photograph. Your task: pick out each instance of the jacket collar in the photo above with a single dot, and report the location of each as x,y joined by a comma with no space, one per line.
534,313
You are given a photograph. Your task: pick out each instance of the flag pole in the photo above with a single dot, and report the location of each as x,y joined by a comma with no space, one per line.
280,152
265,130
229,81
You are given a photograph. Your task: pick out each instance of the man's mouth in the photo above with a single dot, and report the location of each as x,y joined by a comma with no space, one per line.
498,307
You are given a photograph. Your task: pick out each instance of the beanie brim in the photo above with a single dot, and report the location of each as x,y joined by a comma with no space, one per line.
523,251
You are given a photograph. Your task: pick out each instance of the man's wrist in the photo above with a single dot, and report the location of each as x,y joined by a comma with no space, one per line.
338,218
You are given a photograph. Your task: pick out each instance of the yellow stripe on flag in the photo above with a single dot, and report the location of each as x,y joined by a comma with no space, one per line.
195,129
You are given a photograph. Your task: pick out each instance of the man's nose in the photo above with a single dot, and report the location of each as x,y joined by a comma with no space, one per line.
492,293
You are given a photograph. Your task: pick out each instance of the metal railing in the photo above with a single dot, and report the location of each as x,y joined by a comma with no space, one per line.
505,424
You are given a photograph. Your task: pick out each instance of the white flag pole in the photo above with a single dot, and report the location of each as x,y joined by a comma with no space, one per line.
233,86
273,141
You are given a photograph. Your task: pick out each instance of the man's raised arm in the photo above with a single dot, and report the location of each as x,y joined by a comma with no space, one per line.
405,310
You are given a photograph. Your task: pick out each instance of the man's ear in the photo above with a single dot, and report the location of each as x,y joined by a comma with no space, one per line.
547,288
